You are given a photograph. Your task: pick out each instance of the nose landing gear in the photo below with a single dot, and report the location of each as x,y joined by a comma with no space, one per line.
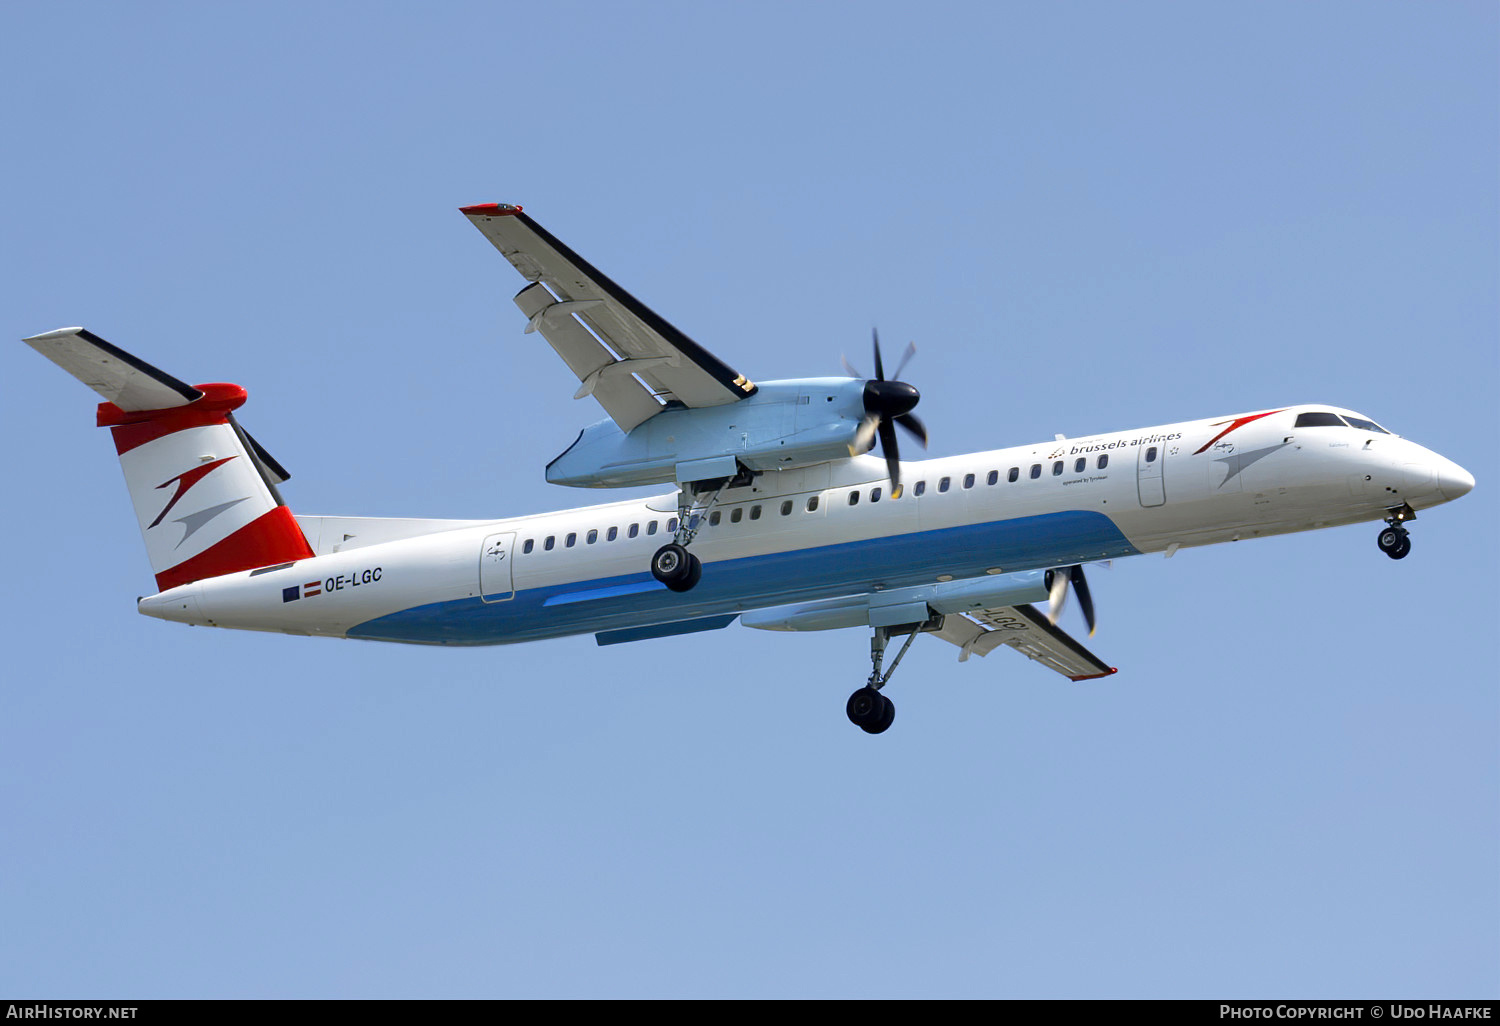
1394,540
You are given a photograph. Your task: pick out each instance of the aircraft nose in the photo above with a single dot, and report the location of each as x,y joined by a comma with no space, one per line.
1453,481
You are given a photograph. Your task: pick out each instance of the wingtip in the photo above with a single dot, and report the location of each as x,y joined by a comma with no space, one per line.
490,209
58,333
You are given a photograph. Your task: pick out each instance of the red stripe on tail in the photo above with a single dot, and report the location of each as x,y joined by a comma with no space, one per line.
272,538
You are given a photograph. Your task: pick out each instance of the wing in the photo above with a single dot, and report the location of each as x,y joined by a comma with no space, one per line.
625,354
1026,630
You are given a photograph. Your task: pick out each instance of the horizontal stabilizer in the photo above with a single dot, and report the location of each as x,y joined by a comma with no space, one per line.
128,382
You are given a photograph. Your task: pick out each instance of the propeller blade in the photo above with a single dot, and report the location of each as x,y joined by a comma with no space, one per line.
892,452
1057,595
864,436
849,367
1085,600
911,350
879,366
915,426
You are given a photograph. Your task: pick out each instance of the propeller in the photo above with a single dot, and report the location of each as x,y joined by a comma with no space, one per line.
888,402
1057,587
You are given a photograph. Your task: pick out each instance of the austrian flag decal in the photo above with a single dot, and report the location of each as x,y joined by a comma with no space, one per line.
297,591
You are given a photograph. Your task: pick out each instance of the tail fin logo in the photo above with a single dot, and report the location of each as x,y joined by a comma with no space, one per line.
186,481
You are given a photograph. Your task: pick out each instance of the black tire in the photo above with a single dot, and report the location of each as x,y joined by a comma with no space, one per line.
887,717
1400,551
693,573
1390,540
870,711
865,707
671,565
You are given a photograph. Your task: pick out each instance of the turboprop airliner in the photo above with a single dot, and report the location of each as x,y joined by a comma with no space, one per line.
777,515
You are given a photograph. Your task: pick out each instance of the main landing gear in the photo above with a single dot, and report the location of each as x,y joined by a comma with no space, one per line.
673,565
1394,540
676,567
867,708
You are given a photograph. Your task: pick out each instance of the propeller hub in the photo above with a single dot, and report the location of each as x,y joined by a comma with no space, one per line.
890,399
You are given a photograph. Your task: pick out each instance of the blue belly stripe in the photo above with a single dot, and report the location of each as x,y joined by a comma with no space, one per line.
730,586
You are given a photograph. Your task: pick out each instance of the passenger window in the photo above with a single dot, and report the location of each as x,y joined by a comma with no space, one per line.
1014,475
635,529
1080,464
1036,471
593,536
1151,455
614,532
943,484
1103,461
921,488
715,517
786,508
874,494
737,514
651,528
1057,468
548,543
754,512
812,504
530,544
968,480
993,478
854,498
572,540
671,525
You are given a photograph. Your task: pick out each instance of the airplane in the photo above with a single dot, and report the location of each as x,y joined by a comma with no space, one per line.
779,516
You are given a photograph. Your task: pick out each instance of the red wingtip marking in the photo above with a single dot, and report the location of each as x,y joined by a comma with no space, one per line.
490,209
1096,676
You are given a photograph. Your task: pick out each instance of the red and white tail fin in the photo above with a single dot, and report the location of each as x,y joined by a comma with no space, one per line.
204,491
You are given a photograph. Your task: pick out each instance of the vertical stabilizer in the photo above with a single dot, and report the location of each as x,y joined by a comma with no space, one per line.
203,490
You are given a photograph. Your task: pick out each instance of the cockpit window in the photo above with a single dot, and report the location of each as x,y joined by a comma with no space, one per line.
1318,419
1367,425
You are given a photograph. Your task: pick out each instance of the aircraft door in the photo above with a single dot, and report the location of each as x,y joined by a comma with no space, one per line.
495,558
1149,475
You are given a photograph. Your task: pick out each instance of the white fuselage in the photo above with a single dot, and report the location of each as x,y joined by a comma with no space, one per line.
828,530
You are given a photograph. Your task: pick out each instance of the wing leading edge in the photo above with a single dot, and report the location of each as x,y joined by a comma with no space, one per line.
625,354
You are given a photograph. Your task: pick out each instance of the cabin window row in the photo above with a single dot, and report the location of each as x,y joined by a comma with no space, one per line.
1080,465
715,518
740,513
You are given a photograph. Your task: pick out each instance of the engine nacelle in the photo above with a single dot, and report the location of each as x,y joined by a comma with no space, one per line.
903,605
784,424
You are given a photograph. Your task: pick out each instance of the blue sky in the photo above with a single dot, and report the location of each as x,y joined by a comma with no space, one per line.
1089,216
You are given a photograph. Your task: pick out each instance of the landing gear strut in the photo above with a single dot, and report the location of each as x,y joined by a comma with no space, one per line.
867,708
673,565
1393,540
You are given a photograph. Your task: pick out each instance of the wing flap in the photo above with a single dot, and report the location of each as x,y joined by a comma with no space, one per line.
625,399
669,362
1026,630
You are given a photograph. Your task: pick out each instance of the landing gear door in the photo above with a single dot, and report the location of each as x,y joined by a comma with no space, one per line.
1149,475
495,558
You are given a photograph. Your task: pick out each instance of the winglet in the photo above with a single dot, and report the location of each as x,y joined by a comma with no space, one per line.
490,210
